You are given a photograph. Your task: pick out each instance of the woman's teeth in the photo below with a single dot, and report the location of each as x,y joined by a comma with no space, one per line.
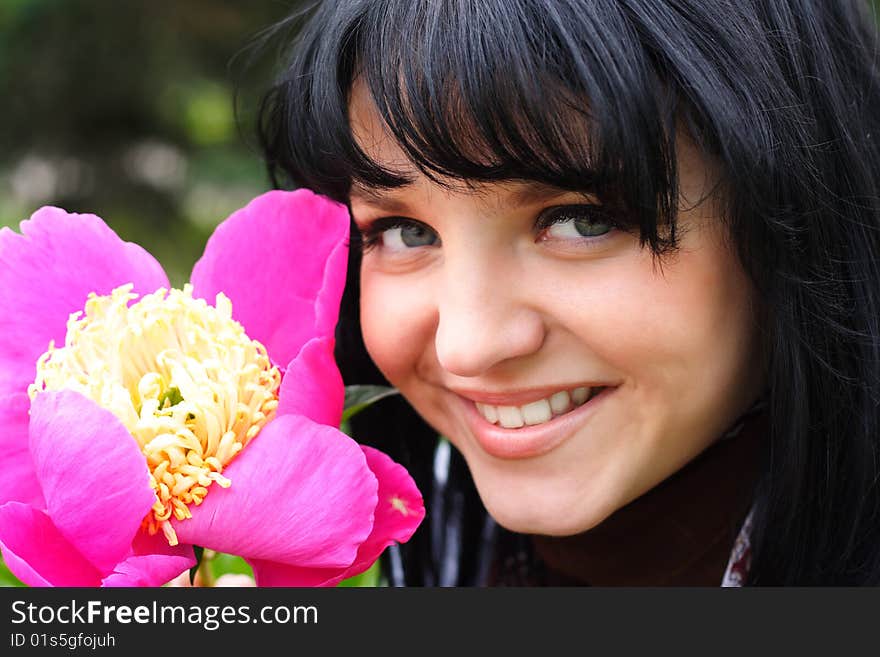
537,412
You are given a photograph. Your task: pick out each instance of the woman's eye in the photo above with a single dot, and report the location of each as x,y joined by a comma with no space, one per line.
575,222
397,234
408,235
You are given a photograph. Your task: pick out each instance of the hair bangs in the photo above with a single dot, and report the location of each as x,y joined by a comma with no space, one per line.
472,92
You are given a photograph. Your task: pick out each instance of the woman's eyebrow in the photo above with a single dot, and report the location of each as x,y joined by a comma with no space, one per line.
381,200
521,193
533,192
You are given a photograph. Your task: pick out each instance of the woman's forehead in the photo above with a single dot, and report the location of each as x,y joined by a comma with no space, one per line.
699,174
515,192
371,133
373,136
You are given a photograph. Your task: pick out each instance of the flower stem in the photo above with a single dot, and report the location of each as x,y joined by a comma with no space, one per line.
205,575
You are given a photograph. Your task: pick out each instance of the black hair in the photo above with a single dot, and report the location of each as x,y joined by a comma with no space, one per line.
590,95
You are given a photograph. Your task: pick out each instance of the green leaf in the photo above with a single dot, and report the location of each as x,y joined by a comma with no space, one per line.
199,550
7,578
358,397
225,564
368,578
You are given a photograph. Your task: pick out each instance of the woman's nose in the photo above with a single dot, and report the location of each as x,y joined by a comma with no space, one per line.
484,318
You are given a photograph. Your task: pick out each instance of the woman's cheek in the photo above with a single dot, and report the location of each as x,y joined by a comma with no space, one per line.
398,321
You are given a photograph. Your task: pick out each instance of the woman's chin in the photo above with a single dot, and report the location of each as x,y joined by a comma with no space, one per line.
549,519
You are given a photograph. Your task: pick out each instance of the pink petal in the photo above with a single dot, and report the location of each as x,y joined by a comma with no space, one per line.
398,514
301,494
47,272
152,563
37,553
312,385
282,261
18,479
272,573
93,475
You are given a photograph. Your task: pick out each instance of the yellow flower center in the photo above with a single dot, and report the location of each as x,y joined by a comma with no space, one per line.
181,375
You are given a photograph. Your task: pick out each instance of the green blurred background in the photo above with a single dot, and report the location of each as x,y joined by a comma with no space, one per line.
126,109
142,113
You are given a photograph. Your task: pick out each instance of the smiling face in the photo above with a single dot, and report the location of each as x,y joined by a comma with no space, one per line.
570,370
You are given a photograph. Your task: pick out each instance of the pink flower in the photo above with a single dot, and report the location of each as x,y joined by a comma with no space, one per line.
169,422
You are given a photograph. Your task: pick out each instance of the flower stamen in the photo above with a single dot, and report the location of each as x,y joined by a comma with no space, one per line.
182,376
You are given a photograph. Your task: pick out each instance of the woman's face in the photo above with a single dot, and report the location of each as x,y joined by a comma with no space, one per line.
497,313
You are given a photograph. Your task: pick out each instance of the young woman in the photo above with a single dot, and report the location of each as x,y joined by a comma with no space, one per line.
622,255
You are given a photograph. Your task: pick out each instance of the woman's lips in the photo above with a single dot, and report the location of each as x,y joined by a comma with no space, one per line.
531,440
